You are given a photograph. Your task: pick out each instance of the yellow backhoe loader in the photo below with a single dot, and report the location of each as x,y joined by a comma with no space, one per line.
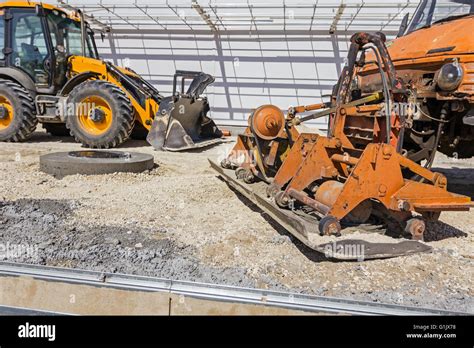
51,72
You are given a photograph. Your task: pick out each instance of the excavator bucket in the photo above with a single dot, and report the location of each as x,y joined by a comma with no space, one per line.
182,122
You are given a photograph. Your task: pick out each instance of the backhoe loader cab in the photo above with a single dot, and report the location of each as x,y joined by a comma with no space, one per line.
51,72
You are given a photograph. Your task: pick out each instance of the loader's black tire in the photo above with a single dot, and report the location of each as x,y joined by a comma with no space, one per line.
21,121
57,129
122,117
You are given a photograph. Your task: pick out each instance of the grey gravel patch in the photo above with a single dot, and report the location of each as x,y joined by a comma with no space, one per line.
51,227
437,230
280,239
42,226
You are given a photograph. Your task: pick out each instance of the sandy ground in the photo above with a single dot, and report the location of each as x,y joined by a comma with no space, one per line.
180,221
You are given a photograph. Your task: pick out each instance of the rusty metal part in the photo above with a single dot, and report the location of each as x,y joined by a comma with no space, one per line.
264,144
360,163
225,163
330,226
303,108
328,191
416,227
282,199
303,198
360,214
327,194
344,158
249,177
378,39
377,174
371,98
431,216
244,174
267,122
306,228
419,61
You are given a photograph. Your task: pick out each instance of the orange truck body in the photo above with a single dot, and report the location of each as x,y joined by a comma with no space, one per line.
418,58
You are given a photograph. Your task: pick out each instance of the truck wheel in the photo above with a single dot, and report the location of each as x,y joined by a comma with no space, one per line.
463,149
17,112
56,129
100,115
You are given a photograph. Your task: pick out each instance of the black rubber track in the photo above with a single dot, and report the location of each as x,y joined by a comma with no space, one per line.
57,129
24,120
61,164
123,116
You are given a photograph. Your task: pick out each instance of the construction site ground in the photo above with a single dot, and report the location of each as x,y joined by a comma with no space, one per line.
180,221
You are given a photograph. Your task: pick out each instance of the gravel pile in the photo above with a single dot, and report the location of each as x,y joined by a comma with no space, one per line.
122,249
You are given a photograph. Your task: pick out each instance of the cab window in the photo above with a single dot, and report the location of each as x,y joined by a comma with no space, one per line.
29,45
66,35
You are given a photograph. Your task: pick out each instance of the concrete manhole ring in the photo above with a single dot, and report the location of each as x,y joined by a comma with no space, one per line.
91,162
